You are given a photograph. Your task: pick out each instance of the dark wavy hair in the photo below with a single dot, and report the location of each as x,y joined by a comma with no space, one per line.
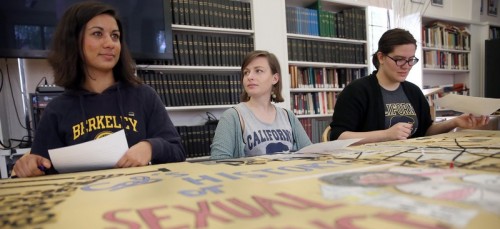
389,40
66,55
275,68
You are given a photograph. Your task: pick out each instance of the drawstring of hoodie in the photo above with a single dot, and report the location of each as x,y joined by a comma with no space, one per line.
84,116
120,105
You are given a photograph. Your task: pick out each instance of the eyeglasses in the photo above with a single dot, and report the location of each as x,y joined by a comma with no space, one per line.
401,62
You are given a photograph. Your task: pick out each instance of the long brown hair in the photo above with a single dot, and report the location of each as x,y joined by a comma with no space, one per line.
275,68
66,54
389,40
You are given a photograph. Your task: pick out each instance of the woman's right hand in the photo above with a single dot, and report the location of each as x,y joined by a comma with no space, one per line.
31,165
399,131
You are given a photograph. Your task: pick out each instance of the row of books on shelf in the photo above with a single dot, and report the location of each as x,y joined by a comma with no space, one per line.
326,51
309,77
349,23
315,21
197,139
313,102
446,36
210,50
315,127
212,13
301,20
446,60
193,49
186,89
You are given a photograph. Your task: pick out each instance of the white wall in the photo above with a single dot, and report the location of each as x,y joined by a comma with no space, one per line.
468,10
484,16
407,15
270,35
379,20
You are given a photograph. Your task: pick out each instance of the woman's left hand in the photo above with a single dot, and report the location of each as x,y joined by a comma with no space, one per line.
470,121
138,155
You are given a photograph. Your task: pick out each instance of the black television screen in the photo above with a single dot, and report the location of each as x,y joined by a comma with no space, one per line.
26,27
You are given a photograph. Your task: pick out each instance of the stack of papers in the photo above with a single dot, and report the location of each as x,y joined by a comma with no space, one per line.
469,104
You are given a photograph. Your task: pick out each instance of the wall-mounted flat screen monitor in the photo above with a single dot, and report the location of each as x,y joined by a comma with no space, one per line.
27,26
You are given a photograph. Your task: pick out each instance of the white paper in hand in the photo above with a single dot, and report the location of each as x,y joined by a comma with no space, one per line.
469,104
102,153
325,147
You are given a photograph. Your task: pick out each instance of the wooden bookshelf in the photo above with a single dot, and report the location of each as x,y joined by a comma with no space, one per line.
210,39
323,58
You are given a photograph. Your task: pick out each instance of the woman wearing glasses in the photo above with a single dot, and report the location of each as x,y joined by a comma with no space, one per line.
383,106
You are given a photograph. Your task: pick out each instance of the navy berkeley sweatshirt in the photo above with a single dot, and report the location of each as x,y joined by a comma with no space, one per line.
80,116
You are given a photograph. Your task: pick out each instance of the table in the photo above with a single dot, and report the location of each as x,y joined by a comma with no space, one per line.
399,184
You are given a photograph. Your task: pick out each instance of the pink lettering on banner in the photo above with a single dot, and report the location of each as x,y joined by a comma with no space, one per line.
268,204
233,209
249,211
148,216
347,222
152,220
201,216
112,216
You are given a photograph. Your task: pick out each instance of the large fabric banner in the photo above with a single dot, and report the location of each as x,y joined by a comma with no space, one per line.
445,181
